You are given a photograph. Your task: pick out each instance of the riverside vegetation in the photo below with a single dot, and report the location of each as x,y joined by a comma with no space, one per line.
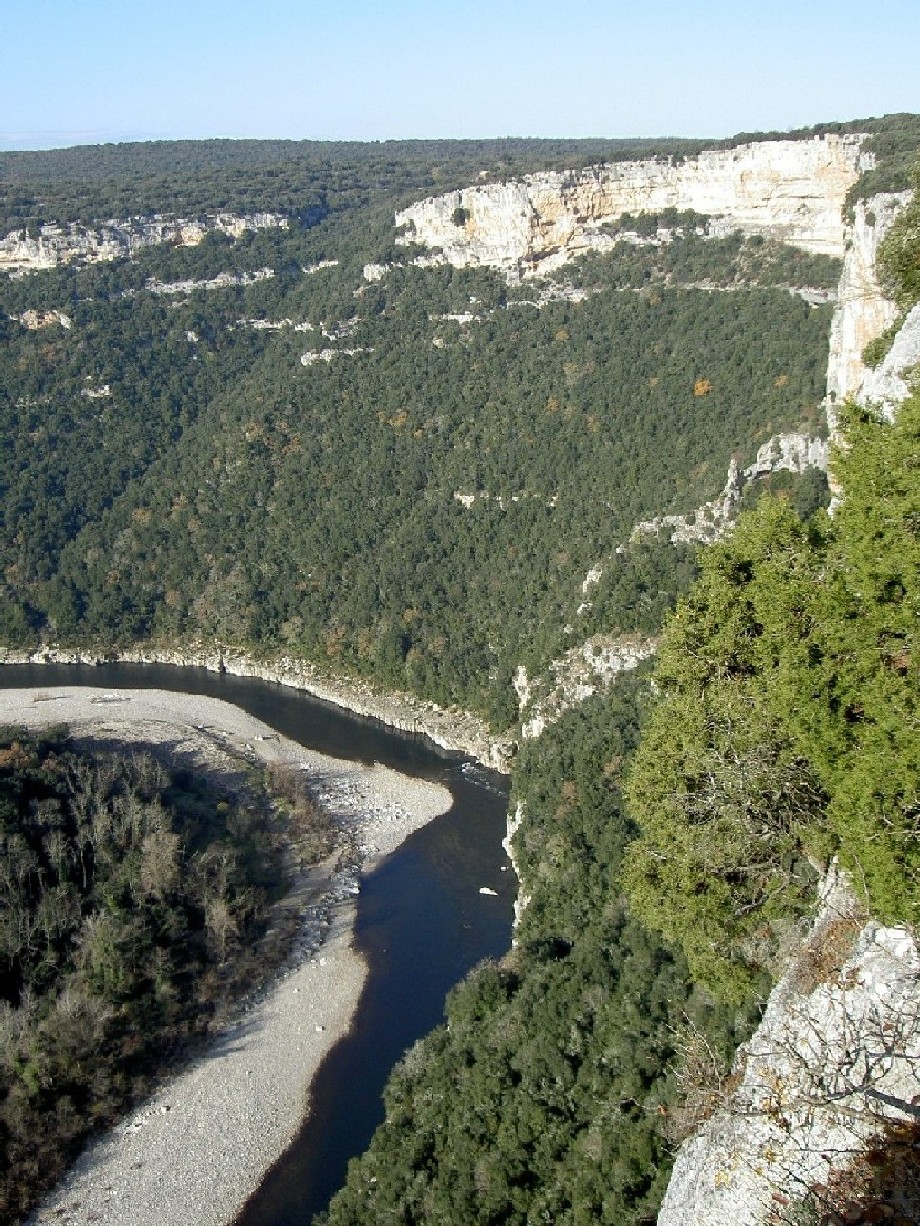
133,895
421,510
782,732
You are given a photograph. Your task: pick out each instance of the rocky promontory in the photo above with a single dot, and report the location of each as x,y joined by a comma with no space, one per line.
791,190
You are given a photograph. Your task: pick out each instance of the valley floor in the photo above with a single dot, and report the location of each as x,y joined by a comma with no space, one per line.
200,1146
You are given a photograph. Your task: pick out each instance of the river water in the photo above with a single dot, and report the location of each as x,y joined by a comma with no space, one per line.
422,922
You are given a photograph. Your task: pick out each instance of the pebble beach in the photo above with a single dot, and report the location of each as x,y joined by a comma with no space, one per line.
197,1149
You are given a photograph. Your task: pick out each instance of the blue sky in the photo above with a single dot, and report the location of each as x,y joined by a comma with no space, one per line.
83,71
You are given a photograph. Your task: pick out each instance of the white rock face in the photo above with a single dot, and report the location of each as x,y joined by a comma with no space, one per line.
222,281
783,452
792,453
581,672
522,899
58,244
789,190
890,383
35,321
827,1068
862,312
327,355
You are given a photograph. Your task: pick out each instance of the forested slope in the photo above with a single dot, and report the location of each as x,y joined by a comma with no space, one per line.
408,475
544,1095
781,732
407,478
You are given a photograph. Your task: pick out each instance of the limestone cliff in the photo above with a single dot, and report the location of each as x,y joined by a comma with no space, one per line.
64,244
832,1067
794,453
789,190
890,383
582,671
862,312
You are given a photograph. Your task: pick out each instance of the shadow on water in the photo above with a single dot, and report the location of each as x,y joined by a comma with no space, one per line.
318,725
422,923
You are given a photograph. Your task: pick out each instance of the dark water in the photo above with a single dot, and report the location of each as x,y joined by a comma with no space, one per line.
421,924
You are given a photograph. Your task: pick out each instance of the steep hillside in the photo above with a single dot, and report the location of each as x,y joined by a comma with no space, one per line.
257,440
728,877
784,745
318,443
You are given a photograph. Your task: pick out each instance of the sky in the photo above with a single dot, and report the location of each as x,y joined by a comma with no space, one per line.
89,71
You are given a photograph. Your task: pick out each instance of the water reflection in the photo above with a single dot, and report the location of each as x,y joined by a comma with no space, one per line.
422,922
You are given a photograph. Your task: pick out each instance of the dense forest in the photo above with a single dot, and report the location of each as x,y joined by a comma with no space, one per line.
550,1093
310,179
407,479
132,902
455,456
779,730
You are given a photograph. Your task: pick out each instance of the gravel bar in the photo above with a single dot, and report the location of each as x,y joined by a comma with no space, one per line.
197,1149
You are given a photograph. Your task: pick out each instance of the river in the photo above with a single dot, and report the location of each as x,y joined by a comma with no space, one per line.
422,922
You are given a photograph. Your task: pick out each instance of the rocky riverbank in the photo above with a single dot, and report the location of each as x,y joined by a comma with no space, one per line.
450,728
197,1149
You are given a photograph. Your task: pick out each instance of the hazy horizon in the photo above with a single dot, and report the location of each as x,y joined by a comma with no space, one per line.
101,72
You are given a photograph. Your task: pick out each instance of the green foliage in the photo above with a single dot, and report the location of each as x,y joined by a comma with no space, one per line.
805,492
423,512
648,224
639,585
541,1099
899,253
307,180
894,140
237,495
731,262
128,897
860,662
720,792
786,726
876,351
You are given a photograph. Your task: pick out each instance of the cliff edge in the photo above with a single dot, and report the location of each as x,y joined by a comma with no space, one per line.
831,1075
792,190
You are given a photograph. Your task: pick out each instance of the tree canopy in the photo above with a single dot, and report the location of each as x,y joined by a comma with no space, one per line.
787,726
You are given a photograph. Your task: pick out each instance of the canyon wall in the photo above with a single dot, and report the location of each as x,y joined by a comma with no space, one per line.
55,244
890,382
791,190
862,312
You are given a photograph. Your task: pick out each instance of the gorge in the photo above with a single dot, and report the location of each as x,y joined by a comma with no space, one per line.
478,524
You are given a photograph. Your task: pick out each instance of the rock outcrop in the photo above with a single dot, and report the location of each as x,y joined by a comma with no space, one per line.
890,383
862,312
789,190
584,670
833,1064
793,453
36,321
65,244
223,280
